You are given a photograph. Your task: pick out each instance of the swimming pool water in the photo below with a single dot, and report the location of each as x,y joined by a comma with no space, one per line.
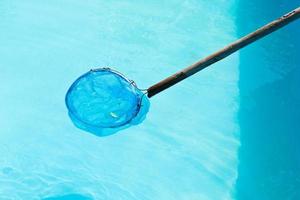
188,146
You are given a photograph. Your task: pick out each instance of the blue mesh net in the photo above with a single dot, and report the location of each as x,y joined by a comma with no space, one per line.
103,101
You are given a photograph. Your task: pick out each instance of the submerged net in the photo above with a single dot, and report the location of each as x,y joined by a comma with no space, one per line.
103,101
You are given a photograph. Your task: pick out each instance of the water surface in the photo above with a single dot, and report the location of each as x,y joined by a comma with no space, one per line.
187,147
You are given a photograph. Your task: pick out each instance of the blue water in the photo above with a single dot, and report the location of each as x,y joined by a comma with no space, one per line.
195,142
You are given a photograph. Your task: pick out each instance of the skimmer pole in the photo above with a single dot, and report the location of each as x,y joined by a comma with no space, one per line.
223,53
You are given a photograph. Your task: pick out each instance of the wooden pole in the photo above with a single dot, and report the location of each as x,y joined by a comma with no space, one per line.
223,53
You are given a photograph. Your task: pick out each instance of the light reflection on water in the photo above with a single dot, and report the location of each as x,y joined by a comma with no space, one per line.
187,146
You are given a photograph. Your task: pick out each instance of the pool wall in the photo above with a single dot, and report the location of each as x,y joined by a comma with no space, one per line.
269,106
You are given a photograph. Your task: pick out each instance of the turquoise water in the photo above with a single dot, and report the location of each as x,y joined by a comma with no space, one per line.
193,143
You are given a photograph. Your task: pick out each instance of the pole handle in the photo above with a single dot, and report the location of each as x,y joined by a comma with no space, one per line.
223,53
